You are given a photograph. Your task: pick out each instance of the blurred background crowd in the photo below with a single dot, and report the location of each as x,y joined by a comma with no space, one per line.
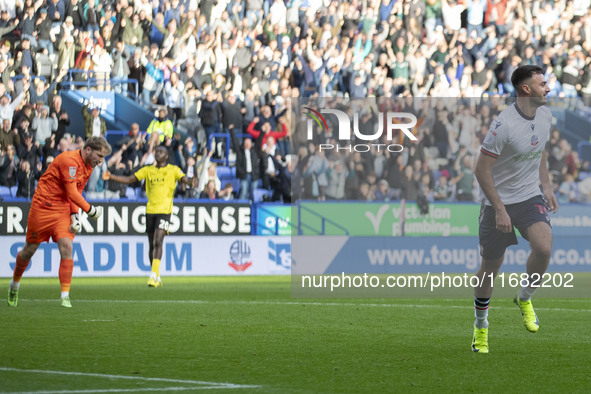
245,68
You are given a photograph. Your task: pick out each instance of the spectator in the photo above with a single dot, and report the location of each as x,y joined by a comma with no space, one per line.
153,81
336,179
211,114
266,129
29,151
63,119
232,112
161,125
568,190
315,180
443,189
44,125
425,188
384,193
7,108
25,62
281,182
67,54
208,173
102,64
120,69
8,166
42,91
116,190
209,192
227,193
26,176
247,164
465,181
8,136
137,71
43,31
173,97
410,186
94,125
135,143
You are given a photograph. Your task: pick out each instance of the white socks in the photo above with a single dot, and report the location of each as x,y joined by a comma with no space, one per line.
525,293
14,285
481,312
65,294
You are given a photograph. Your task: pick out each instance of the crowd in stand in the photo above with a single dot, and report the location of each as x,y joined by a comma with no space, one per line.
235,67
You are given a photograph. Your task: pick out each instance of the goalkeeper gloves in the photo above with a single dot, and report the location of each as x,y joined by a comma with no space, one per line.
74,223
95,212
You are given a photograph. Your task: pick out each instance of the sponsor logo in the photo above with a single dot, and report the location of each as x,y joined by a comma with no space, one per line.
534,140
280,254
528,156
240,258
394,121
532,126
497,126
543,211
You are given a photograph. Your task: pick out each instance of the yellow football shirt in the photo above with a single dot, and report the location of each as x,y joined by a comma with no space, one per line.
160,186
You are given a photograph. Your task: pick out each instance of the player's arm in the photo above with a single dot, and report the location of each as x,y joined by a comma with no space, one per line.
119,178
191,182
75,197
547,185
487,185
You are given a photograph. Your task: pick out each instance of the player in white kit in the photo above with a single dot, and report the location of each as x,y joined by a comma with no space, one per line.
511,164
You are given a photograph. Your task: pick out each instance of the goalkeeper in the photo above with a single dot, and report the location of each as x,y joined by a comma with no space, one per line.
54,212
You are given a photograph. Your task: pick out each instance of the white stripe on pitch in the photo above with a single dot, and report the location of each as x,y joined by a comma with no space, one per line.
124,377
239,302
192,388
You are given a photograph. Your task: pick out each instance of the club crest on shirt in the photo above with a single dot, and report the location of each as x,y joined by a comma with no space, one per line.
72,171
534,140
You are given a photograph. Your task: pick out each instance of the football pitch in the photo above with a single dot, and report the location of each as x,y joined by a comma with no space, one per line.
247,335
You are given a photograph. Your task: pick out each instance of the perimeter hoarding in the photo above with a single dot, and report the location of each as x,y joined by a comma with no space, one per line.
182,256
384,219
127,218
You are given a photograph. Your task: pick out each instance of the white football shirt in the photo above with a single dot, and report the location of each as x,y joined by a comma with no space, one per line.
517,142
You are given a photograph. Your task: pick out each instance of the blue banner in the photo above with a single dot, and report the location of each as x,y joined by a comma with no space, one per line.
387,255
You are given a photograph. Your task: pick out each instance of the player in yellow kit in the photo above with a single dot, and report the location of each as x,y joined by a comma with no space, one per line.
161,179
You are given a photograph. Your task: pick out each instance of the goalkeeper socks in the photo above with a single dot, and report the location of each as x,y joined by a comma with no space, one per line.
481,312
525,293
19,268
156,267
14,285
65,273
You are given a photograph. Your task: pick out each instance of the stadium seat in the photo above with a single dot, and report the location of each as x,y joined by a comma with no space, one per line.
5,192
44,65
130,193
259,194
13,190
224,171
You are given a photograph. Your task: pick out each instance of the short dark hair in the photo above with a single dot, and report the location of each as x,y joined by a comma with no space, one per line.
523,73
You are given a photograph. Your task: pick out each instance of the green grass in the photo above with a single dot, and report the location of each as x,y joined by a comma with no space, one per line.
249,331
